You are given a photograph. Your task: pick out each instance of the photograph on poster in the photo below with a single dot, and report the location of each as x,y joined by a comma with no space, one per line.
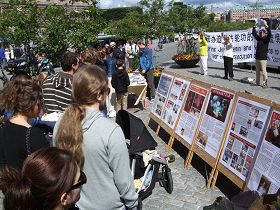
202,138
164,85
273,130
227,156
264,185
184,88
194,102
218,107
243,131
159,109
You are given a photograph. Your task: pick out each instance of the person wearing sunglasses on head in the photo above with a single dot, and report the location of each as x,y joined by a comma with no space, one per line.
50,179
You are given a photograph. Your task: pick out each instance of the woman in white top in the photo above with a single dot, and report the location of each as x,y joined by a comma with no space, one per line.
228,57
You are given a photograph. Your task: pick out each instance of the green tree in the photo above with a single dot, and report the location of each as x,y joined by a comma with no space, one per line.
19,22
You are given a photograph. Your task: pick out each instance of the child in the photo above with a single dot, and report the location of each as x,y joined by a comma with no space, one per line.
120,81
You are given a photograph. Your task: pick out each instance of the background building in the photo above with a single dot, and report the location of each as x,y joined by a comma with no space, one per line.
240,13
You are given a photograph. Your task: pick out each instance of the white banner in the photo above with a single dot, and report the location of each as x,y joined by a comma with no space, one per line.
244,47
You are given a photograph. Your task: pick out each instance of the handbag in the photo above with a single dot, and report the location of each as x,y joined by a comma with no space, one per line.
27,141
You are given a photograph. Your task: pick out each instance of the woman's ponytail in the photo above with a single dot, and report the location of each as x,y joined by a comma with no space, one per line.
70,134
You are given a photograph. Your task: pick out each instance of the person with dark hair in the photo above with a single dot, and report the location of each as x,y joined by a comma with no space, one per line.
263,39
24,100
120,81
50,179
97,143
57,88
147,67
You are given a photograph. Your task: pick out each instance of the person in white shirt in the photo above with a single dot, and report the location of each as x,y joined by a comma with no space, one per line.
228,57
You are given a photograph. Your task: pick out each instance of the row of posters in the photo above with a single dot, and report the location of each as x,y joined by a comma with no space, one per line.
250,152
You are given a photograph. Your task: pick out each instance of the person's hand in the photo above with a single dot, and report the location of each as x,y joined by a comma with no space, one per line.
143,71
265,23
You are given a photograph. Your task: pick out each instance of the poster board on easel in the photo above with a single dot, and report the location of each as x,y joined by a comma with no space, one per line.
243,138
212,130
161,95
265,175
190,115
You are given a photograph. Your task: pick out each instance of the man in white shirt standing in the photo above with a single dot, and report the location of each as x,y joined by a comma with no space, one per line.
228,57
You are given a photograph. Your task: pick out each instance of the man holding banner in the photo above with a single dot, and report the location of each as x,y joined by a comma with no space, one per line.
263,39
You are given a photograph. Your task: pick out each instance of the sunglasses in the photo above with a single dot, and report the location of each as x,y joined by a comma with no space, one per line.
82,180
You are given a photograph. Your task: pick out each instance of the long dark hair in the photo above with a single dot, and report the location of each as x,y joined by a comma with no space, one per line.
46,174
88,83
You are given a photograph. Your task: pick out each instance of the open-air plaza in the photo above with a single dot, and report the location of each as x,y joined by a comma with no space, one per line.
156,106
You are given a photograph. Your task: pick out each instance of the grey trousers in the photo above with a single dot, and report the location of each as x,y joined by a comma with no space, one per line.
261,69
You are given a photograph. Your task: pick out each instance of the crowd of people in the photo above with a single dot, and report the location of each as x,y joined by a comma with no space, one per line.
82,95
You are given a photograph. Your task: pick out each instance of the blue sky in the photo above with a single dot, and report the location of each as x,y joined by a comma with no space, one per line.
219,5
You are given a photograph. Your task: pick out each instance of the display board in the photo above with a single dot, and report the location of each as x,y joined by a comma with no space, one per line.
246,129
175,101
161,94
215,120
193,107
243,140
265,176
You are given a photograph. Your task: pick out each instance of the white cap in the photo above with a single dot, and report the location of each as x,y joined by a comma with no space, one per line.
112,44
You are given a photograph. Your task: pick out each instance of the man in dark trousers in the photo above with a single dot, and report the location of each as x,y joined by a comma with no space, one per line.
263,39
147,67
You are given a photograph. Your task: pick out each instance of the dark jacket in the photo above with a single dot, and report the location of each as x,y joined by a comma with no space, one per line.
262,44
120,81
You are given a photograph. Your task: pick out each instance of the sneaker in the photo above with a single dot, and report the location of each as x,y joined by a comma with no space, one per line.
230,79
264,84
205,73
225,78
112,114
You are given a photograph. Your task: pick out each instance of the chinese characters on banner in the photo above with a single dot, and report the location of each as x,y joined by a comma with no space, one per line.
265,177
161,94
215,120
244,47
191,113
174,102
246,129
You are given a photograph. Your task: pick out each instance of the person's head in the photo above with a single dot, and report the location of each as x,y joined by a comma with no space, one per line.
109,51
141,44
90,88
263,33
22,97
113,44
119,63
69,62
40,78
89,56
21,76
50,179
41,56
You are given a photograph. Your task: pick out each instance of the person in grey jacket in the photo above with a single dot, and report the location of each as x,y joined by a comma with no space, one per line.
97,143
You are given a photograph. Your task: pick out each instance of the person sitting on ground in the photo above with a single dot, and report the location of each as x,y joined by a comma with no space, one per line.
98,144
50,179
57,88
24,101
120,81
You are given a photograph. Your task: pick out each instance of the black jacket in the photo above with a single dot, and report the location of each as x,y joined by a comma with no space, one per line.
262,44
120,81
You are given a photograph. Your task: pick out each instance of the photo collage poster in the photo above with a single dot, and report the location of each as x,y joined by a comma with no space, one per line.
265,177
214,121
244,136
191,113
175,101
161,94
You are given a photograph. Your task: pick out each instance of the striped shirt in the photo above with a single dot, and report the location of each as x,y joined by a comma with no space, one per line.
57,92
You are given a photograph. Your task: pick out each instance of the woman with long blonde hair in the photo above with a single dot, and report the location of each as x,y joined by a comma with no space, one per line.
97,143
